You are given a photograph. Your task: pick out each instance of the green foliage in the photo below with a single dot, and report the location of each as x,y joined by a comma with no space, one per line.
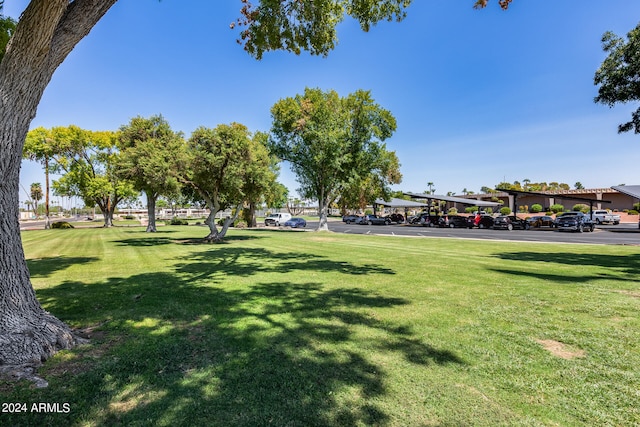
471,209
505,210
294,25
87,161
7,28
452,211
62,225
177,221
556,208
619,74
632,212
636,206
151,156
334,144
535,208
580,207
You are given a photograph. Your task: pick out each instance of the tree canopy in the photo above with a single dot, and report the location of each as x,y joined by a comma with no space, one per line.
330,142
227,167
619,74
152,157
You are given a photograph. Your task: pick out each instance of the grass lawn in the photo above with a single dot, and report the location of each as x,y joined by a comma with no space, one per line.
317,329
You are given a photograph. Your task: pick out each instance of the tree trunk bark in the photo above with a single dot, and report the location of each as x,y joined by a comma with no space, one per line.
151,212
211,222
48,30
323,204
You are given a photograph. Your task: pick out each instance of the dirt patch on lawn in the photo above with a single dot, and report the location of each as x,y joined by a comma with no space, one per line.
561,350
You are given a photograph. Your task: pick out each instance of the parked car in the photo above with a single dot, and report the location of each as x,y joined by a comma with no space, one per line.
510,222
373,219
455,221
396,217
574,221
541,221
481,221
348,219
295,223
427,220
603,216
277,219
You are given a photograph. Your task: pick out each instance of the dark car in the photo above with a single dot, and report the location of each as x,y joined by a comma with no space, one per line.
295,223
510,222
481,221
427,220
396,217
541,221
374,219
455,221
574,221
350,218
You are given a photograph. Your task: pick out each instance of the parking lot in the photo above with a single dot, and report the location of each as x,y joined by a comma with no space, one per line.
621,234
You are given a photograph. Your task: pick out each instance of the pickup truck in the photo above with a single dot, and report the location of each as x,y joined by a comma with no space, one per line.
603,216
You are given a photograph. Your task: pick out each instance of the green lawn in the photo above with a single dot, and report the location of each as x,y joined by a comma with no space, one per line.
316,329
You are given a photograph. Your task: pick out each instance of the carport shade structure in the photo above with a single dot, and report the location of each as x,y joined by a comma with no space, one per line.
399,203
463,201
629,190
516,193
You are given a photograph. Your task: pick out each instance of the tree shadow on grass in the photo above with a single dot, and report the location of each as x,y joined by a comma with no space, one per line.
177,352
219,262
155,240
613,267
45,267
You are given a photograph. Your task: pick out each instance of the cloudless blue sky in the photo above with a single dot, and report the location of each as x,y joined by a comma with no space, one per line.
480,96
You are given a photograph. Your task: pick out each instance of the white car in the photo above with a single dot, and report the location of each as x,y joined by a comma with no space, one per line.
277,219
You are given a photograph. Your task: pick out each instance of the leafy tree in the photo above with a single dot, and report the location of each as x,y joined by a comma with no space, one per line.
619,75
152,156
87,160
578,186
227,168
36,194
361,191
330,141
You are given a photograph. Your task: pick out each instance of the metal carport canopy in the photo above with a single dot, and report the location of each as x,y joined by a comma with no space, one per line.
471,202
400,203
629,190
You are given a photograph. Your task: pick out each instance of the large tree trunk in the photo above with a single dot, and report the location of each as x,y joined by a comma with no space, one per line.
323,206
151,212
48,30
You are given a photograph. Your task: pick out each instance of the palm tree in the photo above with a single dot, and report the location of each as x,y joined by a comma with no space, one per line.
36,195
431,190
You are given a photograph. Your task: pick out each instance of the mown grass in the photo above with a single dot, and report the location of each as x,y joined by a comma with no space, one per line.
317,329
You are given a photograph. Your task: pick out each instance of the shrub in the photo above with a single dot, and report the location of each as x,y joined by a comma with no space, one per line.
632,212
489,210
62,225
129,217
505,211
471,209
557,208
453,211
580,207
177,221
636,206
535,208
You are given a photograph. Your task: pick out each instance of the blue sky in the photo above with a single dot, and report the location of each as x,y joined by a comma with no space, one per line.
480,96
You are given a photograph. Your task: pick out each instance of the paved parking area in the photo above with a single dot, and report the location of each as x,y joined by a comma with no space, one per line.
622,234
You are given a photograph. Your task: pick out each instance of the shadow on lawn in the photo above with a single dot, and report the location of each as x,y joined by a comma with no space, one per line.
614,267
161,240
44,267
177,352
